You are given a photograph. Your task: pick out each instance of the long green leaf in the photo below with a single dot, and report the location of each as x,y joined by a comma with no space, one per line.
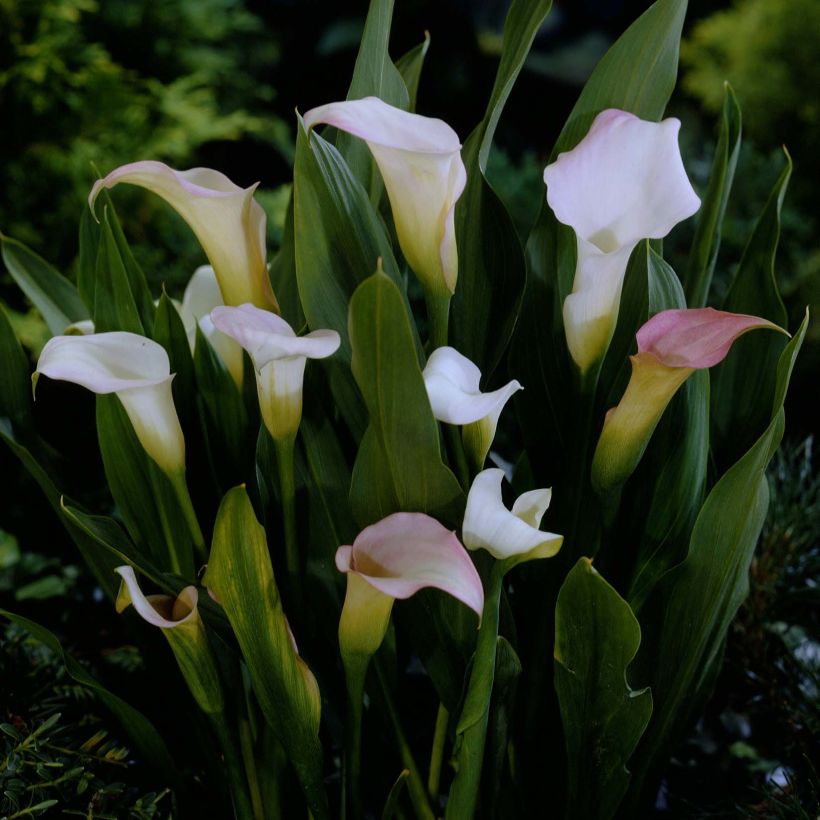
689,612
140,730
241,576
15,385
49,291
399,465
596,638
410,66
703,253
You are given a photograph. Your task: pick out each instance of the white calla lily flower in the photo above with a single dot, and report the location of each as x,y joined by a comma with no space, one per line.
279,357
138,371
623,182
452,383
420,161
228,222
507,534
201,296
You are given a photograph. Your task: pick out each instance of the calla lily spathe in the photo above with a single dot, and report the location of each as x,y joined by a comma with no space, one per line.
505,534
201,296
138,371
420,161
395,558
179,620
623,182
227,221
452,383
671,346
279,357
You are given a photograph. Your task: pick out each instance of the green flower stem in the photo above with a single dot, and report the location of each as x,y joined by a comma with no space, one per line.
235,770
438,316
287,487
437,752
415,785
248,758
471,732
355,674
453,434
184,498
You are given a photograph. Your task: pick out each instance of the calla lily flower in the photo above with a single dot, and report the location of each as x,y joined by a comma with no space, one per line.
201,296
671,346
138,371
395,558
227,221
279,358
623,182
507,534
452,383
179,620
420,162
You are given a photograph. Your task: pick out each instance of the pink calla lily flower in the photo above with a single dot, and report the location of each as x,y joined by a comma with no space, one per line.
420,162
395,558
623,182
228,222
671,346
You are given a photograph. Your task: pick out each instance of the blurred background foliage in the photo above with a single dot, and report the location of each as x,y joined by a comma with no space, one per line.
215,83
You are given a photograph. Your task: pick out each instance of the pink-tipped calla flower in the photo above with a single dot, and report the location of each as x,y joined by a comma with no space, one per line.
623,182
279,357
420,161
227,221
507,534
453,387
179,620
395,558
138,371
671,346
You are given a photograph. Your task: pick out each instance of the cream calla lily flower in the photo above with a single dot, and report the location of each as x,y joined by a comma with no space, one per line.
179,620
227,221
395,558
279,357
505,534
671,346
452,383
623,182
420,162
201,296
138,371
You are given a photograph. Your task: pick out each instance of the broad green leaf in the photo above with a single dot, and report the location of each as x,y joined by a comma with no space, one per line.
339,239
596,638
145,499
687,615
410,66
115,306
15,384
140,730
169,331
374,75
704,251
47,289
399,465
492,268
283,274
100,562
241,576
744,383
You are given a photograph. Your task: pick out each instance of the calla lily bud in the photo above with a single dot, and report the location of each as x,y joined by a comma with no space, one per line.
623,182
179,620
201,296
85,327
138,371
671,346
279,358
420,161
227,221
452,383
395,558
507,535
